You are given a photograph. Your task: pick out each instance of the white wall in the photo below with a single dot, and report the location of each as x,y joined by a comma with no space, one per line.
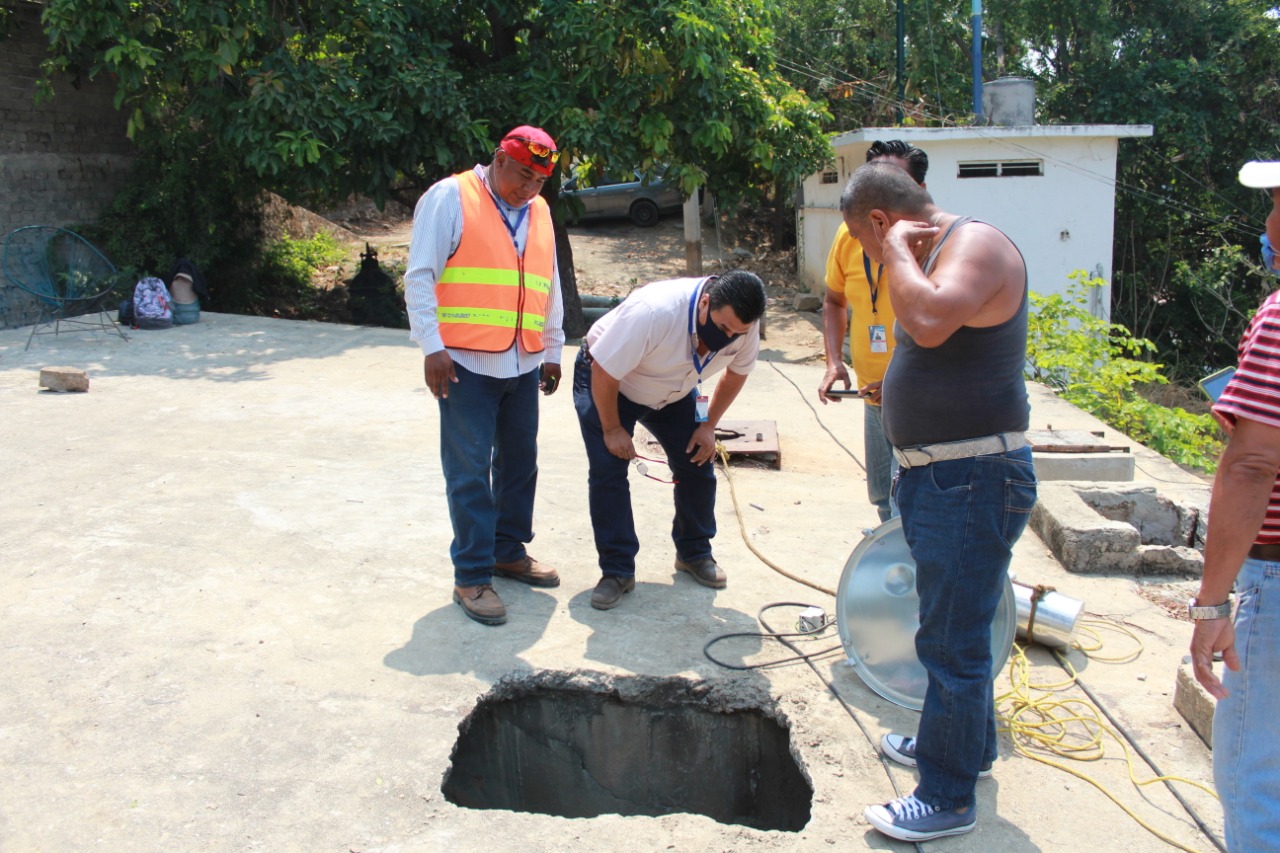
1062,221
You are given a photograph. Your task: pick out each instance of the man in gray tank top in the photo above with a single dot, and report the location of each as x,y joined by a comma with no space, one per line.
956,412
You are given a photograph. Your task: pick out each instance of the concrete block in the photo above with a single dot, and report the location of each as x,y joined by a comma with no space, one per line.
1099,467
1194,703
807,302
64,379
1094,528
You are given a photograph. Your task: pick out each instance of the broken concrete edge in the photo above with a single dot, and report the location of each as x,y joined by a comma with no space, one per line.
1076,521
718,696
723,696
1194,703
64,379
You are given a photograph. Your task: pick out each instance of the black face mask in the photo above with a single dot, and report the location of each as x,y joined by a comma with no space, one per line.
711,335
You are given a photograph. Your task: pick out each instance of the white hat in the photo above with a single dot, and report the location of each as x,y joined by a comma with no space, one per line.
1260,174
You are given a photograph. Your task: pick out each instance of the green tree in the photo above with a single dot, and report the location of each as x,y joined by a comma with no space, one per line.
1205,74
381,98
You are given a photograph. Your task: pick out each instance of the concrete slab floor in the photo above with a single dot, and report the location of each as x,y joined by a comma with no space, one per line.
227,621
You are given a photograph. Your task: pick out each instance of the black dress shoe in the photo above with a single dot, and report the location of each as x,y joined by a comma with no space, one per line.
608,593
704,571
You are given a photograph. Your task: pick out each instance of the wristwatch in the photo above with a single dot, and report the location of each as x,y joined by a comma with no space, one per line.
1218,611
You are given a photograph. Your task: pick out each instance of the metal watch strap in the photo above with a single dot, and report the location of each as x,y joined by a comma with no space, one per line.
1200,613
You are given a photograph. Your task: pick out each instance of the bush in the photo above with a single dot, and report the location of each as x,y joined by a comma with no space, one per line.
185,200
282,285
1099,367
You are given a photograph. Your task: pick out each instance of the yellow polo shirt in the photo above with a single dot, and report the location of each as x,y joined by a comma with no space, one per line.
847,273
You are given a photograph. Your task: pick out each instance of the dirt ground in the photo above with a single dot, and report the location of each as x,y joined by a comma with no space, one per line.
614,258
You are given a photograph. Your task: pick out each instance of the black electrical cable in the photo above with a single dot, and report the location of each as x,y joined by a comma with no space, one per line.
771,635
1062,662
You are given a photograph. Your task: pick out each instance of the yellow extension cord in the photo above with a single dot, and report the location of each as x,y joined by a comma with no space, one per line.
1039,724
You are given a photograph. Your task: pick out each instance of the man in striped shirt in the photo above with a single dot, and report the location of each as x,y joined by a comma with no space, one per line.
1244,541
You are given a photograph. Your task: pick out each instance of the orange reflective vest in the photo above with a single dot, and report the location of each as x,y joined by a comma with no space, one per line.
487,292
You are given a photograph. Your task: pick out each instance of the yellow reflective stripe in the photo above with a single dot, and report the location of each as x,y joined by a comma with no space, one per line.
537,283
478,316
479,275
536,322
489,275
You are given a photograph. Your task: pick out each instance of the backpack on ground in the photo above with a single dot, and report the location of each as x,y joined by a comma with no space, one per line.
152,305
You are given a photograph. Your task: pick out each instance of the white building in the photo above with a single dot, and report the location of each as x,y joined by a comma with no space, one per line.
1050,188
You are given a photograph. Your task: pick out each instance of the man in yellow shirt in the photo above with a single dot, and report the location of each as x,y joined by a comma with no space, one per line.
853,281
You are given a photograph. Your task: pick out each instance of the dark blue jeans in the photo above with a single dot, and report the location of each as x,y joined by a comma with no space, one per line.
609,490
961,519
489,454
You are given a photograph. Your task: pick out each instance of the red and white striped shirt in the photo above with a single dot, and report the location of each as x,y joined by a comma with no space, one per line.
1254,392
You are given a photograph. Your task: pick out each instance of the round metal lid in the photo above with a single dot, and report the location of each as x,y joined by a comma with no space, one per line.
878,614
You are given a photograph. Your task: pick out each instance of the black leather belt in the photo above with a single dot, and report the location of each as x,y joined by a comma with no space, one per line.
1270,553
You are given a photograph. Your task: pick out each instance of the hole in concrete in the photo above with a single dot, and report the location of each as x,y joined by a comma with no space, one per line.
576,746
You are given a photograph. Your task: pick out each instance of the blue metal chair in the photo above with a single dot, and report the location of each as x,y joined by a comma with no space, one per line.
66,274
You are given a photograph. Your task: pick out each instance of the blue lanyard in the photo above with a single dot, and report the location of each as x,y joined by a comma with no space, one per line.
874,285
520,215
693,300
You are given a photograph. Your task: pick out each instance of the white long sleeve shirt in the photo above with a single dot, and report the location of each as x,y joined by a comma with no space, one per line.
437,231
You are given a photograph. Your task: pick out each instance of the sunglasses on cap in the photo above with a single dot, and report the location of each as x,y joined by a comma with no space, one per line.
540,154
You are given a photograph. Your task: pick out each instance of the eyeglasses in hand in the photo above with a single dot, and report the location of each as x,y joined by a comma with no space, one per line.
644,469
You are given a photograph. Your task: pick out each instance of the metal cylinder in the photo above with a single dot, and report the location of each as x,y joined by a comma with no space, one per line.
1055,616
1010,102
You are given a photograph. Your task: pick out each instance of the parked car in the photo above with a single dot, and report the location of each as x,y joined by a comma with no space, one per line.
612,195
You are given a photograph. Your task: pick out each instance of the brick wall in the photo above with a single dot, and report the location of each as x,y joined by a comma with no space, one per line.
61,160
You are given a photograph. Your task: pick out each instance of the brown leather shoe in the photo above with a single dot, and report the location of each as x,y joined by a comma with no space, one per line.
481,603
704,571
608,593
528,570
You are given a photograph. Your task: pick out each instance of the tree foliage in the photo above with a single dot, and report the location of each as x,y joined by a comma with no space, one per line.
380,98
340,96
1204,73
1100,367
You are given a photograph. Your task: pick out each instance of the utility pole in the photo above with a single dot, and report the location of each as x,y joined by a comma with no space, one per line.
902,57
977,62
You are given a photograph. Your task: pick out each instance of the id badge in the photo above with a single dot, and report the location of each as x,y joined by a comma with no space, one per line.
879,338
701,405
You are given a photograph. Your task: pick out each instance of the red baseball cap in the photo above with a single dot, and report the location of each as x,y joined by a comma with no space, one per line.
532,147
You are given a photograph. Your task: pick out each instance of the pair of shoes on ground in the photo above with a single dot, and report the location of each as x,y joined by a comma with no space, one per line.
609,591
482,603
910,819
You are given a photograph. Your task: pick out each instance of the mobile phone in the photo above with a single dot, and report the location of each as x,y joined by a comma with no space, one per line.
841,392
548,384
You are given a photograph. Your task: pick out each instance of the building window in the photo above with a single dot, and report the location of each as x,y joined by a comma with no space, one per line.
830,177
1001,168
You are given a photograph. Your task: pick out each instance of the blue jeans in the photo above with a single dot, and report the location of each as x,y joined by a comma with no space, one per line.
489,454
1246,759
880,462
609,490
961,518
